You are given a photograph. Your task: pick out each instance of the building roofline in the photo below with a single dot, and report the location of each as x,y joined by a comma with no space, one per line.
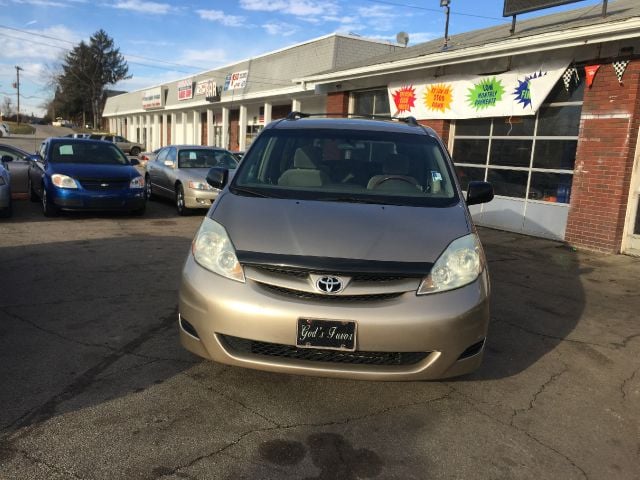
273,52
561,39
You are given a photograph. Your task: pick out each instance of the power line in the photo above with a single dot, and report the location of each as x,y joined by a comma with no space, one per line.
426,9
255,79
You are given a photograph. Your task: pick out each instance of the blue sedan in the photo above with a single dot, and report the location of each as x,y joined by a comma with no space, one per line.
78,174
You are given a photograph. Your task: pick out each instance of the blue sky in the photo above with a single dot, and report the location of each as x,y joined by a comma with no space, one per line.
164,41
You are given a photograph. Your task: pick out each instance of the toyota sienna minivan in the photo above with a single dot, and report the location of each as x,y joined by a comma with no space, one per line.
342,247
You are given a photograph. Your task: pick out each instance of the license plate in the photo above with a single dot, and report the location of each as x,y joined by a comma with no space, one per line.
328,334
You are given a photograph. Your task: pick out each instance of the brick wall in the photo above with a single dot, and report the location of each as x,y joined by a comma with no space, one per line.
441,127
338,103
604,160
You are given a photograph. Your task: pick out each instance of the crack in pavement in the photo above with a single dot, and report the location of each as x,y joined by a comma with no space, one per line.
624,384
472,403
86,379
231,399
87,299
534,397
38,461
609,346
277,427
88,344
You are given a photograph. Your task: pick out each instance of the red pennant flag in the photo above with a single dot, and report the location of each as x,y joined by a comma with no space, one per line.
591,70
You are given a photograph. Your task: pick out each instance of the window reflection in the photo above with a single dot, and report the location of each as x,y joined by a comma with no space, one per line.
509,183
550,187
470,151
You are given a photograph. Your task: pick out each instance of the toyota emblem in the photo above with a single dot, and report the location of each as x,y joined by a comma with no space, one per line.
330,285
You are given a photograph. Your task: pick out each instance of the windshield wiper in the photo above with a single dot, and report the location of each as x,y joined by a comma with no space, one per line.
250,191
352,199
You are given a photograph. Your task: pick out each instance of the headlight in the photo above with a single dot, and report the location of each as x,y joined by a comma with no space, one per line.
200,186
213,250
63,181
137,182
460,264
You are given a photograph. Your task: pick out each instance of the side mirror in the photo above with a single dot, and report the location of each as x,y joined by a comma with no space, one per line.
169,163
479,192
6,158
134,161
218,177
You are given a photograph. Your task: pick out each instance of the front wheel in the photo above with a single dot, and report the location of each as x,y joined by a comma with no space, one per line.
33,196
48,208
147,187
6,212
182,210
134,151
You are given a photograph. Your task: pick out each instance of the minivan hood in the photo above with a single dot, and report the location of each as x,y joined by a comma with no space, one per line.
339,230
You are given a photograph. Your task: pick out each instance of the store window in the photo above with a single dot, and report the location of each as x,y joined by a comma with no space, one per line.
252,133
372,102
530,157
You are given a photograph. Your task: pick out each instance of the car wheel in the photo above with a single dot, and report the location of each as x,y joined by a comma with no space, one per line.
139,212
148,190
33,196
134,151
182,210
6,212
48,208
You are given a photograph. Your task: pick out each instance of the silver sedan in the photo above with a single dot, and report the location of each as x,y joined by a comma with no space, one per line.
178,172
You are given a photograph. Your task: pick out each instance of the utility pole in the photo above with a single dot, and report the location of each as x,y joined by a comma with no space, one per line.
445,4
18,88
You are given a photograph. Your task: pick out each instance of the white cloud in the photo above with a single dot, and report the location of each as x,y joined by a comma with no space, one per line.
377,11
32,22
153,8
420,37
221,17
45,3
28,45
280,29
206,59
299,8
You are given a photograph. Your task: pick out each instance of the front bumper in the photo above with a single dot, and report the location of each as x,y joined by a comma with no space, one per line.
199,198
79,199
444,326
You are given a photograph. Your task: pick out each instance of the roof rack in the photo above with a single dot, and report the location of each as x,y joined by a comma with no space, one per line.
295,115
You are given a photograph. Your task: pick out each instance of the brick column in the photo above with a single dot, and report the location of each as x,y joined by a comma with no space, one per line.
604,160
338,102
441,127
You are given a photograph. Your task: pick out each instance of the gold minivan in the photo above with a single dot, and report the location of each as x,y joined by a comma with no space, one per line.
342,247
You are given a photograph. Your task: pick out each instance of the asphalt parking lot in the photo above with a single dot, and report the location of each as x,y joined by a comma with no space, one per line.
94,384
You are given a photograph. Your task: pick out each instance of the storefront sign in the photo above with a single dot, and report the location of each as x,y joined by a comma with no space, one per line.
237,80
185,89
152,98
514,93
207,88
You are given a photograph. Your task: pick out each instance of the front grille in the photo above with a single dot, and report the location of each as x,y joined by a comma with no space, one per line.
241,345
355,277
330,298
104,183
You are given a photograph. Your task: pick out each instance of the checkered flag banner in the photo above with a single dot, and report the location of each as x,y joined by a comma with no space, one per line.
570,73
620,67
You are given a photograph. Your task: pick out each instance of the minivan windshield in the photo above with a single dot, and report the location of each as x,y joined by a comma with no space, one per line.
79,151
360,166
